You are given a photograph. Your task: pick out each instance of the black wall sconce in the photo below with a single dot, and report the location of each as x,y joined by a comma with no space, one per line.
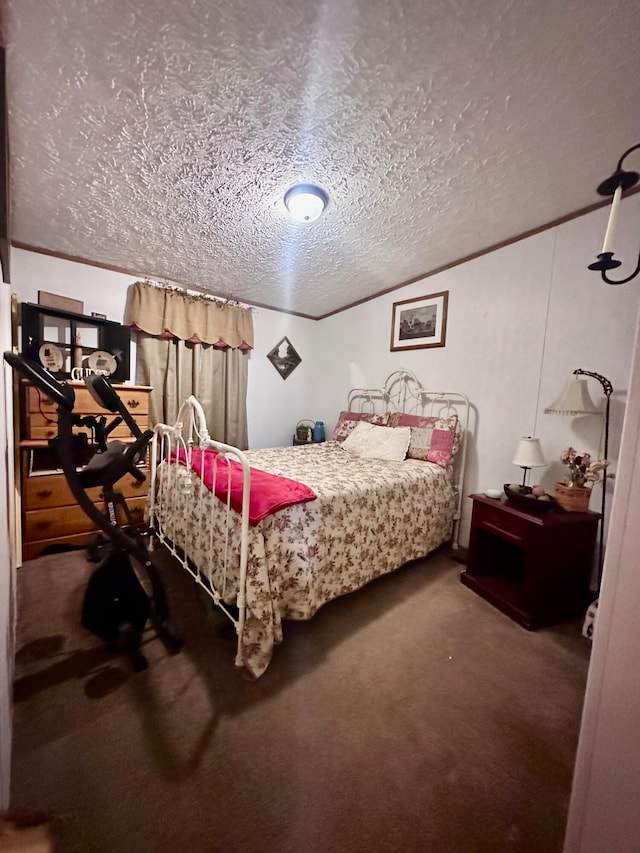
615,185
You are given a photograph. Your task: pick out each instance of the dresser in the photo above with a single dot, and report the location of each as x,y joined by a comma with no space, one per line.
51,518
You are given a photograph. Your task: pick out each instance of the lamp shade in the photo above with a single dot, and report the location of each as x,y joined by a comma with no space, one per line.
529,453
574,400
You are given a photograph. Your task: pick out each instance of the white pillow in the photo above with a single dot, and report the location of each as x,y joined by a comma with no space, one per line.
377,442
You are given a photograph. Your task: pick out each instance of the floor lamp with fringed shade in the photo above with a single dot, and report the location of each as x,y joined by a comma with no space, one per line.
575,401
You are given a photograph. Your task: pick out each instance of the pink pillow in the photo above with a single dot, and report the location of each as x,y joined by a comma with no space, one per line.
441,447
348,420
422,427
397,419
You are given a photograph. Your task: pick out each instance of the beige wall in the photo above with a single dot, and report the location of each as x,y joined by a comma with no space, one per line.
274,405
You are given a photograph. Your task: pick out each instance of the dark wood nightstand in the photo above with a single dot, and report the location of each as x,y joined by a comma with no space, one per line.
534,566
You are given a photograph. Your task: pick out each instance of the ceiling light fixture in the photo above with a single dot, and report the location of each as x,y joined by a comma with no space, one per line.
615,185
305,202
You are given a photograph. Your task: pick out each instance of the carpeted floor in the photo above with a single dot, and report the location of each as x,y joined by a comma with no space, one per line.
410,716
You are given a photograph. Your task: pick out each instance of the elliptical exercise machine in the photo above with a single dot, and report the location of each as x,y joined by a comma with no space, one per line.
116,606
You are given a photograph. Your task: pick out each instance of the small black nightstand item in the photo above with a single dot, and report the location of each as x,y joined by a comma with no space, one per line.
535,567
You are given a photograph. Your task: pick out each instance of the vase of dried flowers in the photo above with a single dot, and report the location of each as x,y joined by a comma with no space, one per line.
574,492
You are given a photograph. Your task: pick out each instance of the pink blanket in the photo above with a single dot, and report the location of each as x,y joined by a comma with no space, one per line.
268,492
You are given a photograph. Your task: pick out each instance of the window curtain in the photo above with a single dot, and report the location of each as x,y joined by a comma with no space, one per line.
192,345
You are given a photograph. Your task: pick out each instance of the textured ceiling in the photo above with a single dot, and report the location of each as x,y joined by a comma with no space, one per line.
161,137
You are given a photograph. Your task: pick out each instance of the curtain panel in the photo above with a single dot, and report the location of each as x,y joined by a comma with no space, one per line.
169,312
192,345
217,377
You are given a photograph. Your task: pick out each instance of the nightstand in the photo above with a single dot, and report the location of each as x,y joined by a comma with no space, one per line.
534,566
298,441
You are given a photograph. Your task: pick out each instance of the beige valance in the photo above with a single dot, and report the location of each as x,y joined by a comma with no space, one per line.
167,311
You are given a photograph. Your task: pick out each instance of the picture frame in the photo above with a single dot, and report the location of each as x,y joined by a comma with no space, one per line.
284,357
61,303
420,323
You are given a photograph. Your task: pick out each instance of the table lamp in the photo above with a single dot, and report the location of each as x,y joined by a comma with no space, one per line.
528,455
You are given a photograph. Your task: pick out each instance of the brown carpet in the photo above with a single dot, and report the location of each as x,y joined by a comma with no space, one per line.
410,716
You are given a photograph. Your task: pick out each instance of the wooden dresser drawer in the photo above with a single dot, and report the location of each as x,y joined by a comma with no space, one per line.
45,426
510,526
136,400
51,523
52,490
33,550
134,397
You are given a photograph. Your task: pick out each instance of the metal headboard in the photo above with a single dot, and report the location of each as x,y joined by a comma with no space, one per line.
403,392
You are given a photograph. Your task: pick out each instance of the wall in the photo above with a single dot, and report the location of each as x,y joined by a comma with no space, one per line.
274,405
520,320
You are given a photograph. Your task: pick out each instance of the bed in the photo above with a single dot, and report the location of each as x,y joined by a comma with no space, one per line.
275,534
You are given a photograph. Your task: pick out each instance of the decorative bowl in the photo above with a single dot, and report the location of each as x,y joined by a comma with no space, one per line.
531,504
493,493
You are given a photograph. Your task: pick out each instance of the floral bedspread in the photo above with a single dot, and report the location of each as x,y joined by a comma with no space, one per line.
369,517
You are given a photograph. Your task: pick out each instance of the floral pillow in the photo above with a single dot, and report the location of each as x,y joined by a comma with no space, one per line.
348,420
433,439
441,448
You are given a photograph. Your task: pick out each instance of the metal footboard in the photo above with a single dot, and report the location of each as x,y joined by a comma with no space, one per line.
168,490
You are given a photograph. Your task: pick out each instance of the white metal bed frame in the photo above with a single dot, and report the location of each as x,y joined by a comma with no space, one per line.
167,442
401,392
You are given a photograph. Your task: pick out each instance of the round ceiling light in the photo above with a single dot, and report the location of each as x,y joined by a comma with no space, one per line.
305,202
